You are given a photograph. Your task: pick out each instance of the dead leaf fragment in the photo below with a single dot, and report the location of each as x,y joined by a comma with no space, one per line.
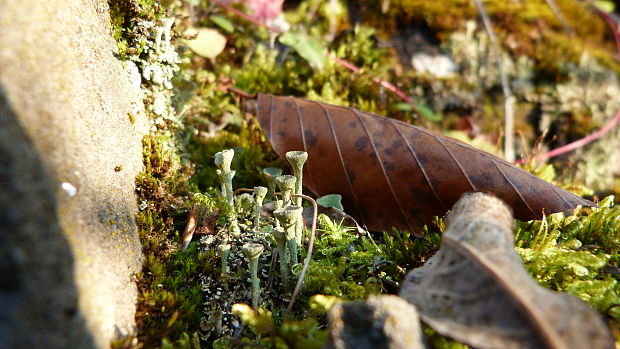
192,222
390,173
198,223
476,290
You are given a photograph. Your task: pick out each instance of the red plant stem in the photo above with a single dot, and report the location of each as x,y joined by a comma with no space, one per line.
613,24
588,139
391,87
612,21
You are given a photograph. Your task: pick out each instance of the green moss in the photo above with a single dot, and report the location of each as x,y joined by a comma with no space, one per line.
577,254
438,341
169,294
124,14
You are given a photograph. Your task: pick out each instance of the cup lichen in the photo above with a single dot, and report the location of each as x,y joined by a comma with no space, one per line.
297,159
259,196
223,160
288,217
270,174
286,184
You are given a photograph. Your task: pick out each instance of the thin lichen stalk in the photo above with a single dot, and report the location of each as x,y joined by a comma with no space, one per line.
280,237
223,160
288,217
224,250
252,252
297,159
259,196
226,178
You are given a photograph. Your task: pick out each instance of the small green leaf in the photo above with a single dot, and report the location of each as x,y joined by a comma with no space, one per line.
223,23
260,321
428,113
331,200
423,108
307,47
607,202
404,106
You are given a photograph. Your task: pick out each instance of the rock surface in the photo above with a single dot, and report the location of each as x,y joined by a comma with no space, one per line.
69,154
379,322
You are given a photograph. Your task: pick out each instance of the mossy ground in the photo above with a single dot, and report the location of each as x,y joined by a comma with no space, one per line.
576,253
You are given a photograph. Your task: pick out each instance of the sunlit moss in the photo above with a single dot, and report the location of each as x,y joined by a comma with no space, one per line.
576,254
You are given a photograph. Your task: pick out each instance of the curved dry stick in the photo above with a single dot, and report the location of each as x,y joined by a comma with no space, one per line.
300,281
612,20
242,190
588,139
558,14
241,93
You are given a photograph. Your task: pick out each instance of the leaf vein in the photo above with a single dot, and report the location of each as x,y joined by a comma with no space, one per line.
415,157
515,188
344,168
458,163
387,179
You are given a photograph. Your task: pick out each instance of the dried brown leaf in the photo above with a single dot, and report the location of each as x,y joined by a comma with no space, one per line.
476,290
390,173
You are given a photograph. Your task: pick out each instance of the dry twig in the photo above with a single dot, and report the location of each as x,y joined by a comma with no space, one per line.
509,99
300,281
